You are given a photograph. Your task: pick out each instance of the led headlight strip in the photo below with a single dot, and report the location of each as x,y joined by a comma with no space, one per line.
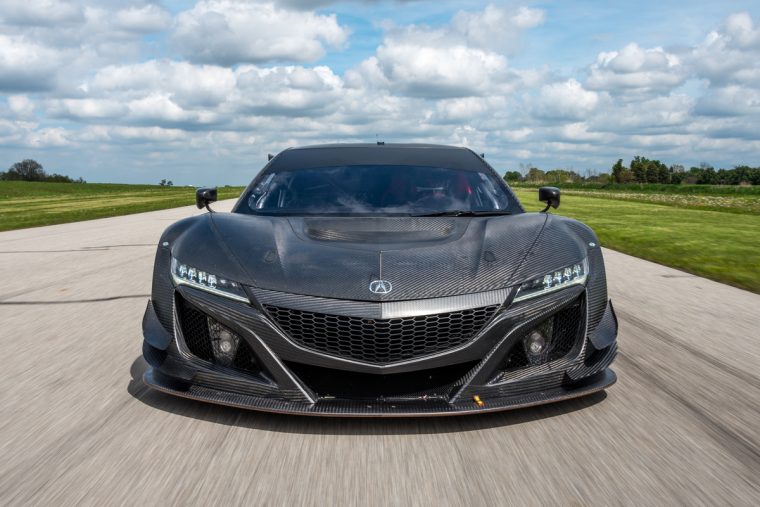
574,274
182,274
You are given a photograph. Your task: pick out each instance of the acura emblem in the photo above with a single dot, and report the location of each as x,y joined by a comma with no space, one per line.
380,286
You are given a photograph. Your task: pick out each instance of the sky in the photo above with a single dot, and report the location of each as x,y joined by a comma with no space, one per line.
199,92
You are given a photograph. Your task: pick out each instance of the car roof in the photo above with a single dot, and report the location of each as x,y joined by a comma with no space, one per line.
328,155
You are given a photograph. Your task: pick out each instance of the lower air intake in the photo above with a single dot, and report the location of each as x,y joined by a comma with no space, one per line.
211,341
329,383
559,334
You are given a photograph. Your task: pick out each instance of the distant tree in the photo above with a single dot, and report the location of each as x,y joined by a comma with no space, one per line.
677,174
620,173
512,176
162,183
746,175
31,170
170,183
663,174
562,176
26,170
707,175
535,175
639,167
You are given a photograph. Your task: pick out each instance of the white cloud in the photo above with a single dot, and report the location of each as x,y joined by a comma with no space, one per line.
730,55
26,66
637,69
40,12
131,135
226,32
159,109
566,101
495,28
146,19
463,58
103,83
288,91
55,137
21,106
189,85
731,100
467,109
427,71
87,109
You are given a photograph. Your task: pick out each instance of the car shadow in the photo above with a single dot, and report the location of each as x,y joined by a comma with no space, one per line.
284,423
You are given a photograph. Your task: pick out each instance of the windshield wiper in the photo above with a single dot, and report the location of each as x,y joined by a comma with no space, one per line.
463,213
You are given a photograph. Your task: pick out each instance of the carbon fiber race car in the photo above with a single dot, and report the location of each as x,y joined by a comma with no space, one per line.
379,280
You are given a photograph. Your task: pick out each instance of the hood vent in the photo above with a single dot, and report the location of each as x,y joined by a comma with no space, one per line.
378,230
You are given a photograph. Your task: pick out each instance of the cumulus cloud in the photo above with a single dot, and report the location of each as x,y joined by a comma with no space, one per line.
130,82
26,65
189,85
730,55
464,58
467,109
637,69
227,32
287,91
438,72
86,109
146,19
566,101
730,100
40,12
494,27
21,106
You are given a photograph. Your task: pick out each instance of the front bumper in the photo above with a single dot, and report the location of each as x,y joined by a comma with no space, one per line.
349,408
482,388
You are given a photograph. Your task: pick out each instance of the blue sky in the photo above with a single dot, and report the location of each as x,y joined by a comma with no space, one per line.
200,91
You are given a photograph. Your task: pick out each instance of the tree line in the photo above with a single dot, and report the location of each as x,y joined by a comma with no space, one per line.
31,170
644,170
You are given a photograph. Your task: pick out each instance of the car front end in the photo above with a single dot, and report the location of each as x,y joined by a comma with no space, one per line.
379,316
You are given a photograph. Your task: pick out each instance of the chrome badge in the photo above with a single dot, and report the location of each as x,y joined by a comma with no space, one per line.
380,286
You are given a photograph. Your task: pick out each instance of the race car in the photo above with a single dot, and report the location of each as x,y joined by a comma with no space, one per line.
379,280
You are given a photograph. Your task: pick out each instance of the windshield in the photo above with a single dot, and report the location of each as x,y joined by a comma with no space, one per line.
377,190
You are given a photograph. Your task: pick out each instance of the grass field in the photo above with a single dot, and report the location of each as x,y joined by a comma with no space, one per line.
731,199
722,245
720,241
31,204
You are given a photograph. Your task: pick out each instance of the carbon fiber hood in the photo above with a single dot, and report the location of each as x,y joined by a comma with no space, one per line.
421,257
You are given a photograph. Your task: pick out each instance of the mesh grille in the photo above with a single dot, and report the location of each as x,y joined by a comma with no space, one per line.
381,340
195,330
563,328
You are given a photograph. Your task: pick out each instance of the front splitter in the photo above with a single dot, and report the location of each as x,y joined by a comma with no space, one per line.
350,408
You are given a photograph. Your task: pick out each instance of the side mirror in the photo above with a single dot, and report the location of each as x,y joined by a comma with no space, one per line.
549,195
204,197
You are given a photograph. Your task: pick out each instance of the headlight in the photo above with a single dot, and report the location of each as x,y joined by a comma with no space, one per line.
571,275
188,275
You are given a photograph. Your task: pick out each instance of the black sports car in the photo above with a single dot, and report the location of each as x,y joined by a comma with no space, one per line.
379,280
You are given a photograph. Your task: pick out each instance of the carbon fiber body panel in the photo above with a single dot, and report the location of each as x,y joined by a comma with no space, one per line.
417,408
313,339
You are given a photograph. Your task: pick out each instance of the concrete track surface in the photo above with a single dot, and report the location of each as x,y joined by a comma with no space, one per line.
681,426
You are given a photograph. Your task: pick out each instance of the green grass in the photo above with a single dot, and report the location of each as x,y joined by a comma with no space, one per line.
740,190
720,245
731,199
32,204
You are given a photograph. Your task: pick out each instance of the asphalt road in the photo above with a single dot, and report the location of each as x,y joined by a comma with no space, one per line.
77,426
